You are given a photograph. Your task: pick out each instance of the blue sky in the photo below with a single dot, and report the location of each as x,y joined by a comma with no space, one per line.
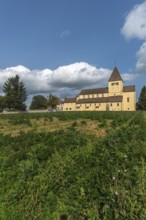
61,46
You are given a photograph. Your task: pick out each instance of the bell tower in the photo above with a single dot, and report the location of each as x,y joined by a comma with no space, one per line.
115,83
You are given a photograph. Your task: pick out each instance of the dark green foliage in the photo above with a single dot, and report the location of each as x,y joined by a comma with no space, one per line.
74,124
2,103
103,124
67,174
141,105
83,122
15,94
53,101
38,102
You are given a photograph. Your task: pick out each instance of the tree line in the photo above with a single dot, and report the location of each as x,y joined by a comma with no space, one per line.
15,96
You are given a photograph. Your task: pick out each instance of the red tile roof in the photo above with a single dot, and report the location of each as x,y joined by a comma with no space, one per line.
94,91
129,88
69,100
100,100
115,76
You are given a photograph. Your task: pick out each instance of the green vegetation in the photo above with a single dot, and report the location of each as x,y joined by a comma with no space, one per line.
53,101
141,105
38,102
15,94
74,165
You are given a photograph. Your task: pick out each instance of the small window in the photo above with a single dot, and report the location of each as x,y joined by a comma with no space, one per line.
102,95
117,104
70,109
66,108
115,84
111,104
128,99
97,95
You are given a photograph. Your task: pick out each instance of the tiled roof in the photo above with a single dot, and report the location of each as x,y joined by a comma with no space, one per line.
129,88
115,98
69,100
100,100
93,91
92,100
115,76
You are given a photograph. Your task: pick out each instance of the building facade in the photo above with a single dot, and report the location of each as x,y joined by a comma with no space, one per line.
115,97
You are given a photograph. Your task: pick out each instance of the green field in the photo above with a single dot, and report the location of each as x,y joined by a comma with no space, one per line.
73,166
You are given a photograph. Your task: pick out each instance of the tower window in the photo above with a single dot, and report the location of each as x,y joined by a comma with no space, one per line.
115,84
128,99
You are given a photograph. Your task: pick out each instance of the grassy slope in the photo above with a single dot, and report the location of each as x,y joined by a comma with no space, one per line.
69,171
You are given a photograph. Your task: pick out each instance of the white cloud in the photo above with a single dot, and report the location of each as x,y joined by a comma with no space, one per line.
65,33
141,62
129,77
135,22
18,69
63,81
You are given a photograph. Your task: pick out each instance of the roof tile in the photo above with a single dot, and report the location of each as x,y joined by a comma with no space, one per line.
93,91
115,76
129,88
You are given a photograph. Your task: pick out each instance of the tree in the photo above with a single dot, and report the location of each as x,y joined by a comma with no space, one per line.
38,102
53,101
2,103
141,105
15,94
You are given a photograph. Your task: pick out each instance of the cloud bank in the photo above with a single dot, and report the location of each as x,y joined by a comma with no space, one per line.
135,27
63,81
135,23
141,62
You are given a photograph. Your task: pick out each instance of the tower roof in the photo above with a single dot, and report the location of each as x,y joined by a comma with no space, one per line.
115,76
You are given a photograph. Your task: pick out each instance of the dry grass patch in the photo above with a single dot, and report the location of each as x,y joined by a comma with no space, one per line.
50,124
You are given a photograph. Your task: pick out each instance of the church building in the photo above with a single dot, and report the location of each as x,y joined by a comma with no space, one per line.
115,97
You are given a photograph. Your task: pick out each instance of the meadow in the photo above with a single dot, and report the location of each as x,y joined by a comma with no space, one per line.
73,166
